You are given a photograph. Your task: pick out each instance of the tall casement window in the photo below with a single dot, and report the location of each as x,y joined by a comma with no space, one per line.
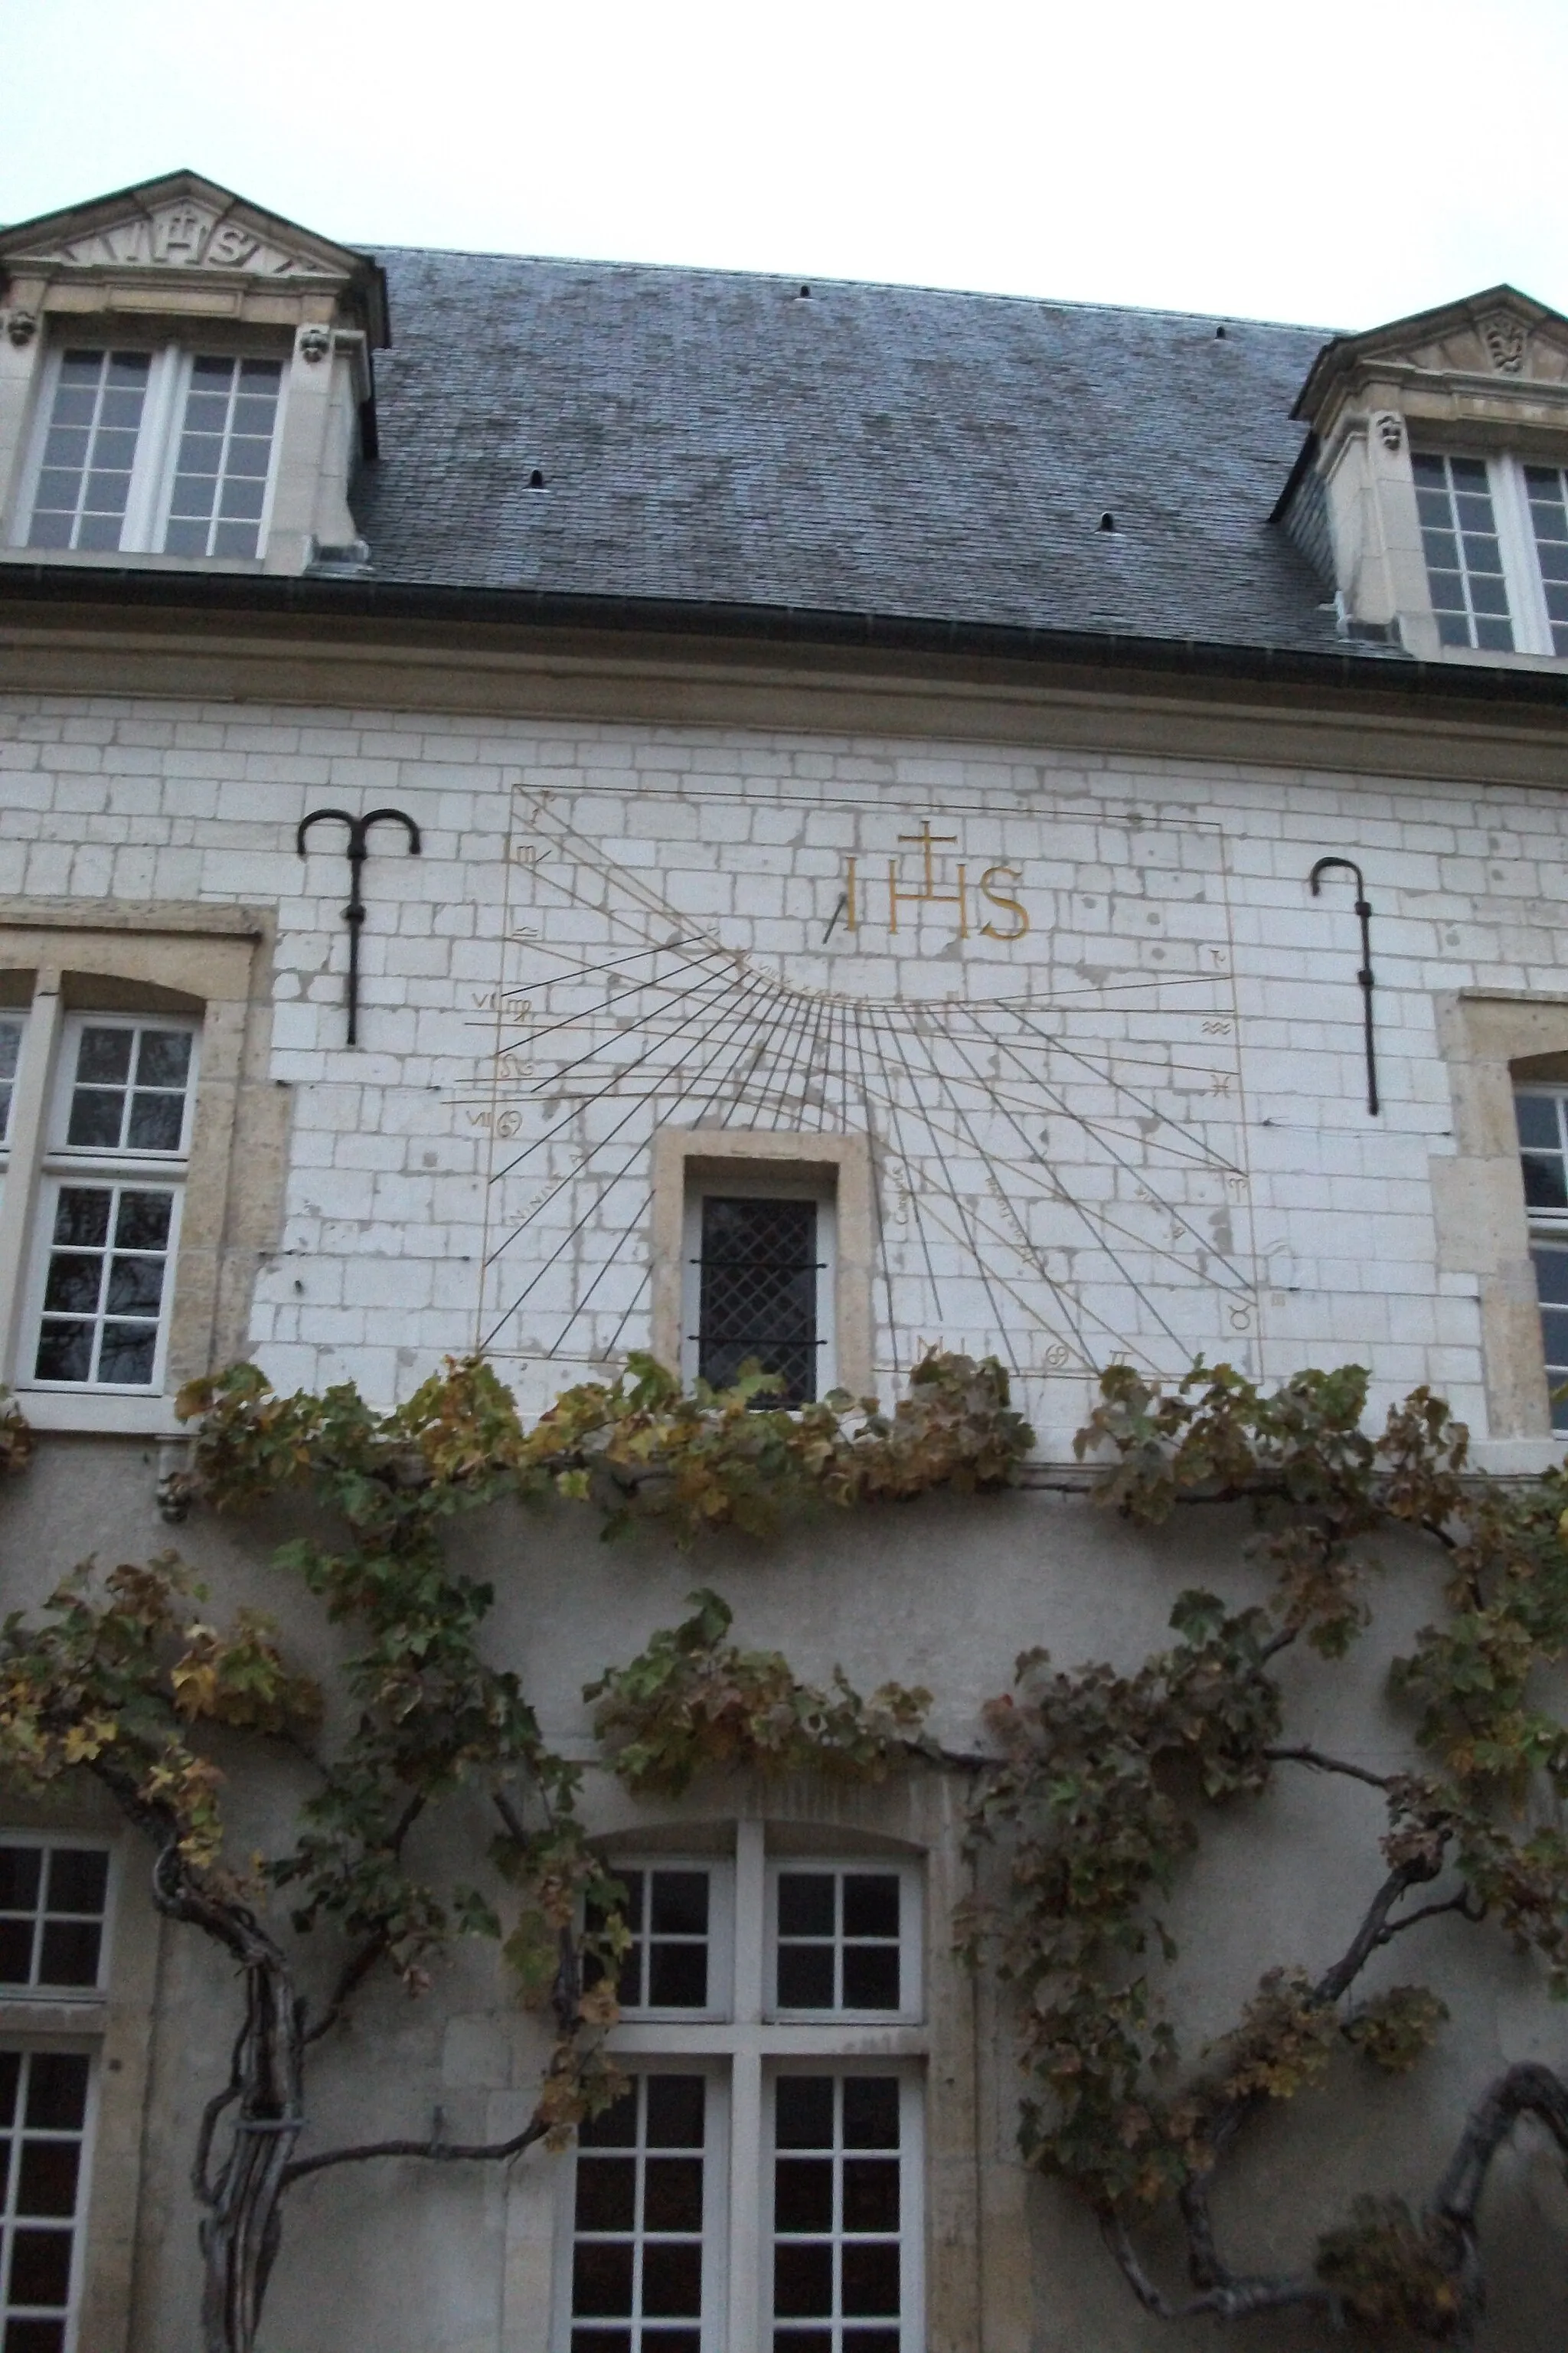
760,1289
1542,1117
44,2110
54,1900
165,452
761,2181
1495,535
1464,555
113,1179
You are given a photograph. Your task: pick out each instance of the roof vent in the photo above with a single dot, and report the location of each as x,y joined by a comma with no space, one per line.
536,480
1107,521
805,294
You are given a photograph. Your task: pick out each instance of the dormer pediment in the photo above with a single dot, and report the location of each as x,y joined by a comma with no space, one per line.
183,231
1496,344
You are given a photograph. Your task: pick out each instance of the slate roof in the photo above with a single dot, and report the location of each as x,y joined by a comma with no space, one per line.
712,437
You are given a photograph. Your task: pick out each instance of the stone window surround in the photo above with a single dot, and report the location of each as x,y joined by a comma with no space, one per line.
976,2232
212,961
326,378
116,2027
1493,1040
682,1155
171,351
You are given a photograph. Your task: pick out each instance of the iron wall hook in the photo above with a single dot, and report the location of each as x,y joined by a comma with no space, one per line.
1363,978
358,852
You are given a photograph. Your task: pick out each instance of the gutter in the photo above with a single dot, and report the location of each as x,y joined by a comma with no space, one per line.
269,595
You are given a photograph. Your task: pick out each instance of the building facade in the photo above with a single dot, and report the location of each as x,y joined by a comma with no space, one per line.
870,820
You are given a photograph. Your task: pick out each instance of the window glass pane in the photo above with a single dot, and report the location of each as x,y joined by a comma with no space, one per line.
43,2110
130,1089
837,2215
224,455
103,1302
637,2253
667,1914
89,451
51,1914
1464,555
758,1294
839,1940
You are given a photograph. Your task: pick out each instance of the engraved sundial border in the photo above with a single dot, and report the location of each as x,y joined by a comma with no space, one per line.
756,1049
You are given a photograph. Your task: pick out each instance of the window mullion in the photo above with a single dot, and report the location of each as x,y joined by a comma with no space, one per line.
141,532
1521,569
747,2173
18,1205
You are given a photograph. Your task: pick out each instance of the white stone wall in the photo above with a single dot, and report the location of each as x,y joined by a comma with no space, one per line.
1139,1126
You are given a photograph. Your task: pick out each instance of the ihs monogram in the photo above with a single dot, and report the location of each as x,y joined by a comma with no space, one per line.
862,899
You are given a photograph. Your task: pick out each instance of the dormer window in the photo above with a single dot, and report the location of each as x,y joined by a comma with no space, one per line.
1494,533
1438,459
165,452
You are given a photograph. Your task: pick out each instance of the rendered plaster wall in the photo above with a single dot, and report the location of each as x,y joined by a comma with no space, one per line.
411,2259
398,1190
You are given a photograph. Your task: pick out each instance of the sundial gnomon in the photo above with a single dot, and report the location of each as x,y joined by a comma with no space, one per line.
1030,1010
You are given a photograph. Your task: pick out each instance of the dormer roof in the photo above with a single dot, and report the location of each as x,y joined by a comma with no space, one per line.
126,246
1496,339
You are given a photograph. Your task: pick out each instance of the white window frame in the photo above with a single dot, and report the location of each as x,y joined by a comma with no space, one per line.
912,2194
746,1185
716,2168
153,468
1516,547
747,2044
43,1988
30,2047
1547,1227
62,1164
910,1900
720,1875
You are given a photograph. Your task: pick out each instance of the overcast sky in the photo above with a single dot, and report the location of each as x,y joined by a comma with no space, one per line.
1335,167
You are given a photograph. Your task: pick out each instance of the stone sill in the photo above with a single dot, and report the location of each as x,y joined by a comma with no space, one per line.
124,1417
52,2016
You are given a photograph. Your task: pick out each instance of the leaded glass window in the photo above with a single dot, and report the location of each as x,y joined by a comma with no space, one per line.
758,1293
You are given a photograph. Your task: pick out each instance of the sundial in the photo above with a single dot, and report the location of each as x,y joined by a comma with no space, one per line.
1029,1010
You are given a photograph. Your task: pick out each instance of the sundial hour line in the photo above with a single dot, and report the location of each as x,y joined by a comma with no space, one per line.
623,1121
606,1186
1038,1266
1107,1219
570,1020
587,1103
1203,1242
